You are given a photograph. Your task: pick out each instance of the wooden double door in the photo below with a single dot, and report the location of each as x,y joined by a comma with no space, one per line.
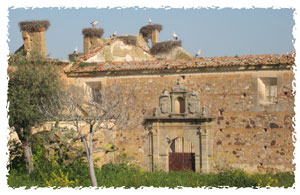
180,161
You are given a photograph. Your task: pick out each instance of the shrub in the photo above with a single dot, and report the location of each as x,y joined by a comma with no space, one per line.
275,180
165,46
35,25
55,168
235,178
61,180
93,32
121,175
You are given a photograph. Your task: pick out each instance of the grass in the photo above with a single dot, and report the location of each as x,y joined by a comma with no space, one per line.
121,175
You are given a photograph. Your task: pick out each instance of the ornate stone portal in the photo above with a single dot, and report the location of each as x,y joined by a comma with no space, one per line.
179,117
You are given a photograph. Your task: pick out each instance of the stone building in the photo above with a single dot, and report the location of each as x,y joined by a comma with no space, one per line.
221,111
198,114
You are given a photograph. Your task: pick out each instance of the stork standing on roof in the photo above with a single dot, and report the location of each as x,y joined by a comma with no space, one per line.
150,21
175,36
198,53
94,23
76,50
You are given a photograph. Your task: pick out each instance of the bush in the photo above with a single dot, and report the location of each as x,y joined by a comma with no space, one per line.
235,178
51,169
121,175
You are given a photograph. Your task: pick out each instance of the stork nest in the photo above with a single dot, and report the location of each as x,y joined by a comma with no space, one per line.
34,25
93,32
129,40
146,31
74,56
165,46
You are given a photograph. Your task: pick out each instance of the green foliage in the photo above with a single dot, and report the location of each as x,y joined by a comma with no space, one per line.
83,64
61,180
51,168
31,82
121,175
235,178
280,179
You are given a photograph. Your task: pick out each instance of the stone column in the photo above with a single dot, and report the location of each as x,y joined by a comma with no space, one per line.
155,147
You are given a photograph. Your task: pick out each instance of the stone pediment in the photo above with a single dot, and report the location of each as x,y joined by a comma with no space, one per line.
179,102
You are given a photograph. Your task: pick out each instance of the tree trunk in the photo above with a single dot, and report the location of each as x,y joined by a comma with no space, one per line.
91,162
92,171
28,156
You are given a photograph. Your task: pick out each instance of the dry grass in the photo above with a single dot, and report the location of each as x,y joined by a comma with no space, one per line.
93,32
129,40
34,25
164,46
146,31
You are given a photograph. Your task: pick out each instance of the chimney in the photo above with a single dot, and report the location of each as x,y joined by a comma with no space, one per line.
92,39
151,31
155,36
34,36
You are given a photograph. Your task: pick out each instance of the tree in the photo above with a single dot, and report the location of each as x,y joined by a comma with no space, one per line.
30,80
109,108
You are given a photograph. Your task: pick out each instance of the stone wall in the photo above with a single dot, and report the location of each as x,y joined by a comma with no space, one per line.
246,135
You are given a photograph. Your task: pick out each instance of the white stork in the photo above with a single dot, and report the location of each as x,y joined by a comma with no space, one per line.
94,23
76,50
198,53
175,36
150,21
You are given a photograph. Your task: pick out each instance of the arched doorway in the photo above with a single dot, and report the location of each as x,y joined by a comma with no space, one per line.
181,155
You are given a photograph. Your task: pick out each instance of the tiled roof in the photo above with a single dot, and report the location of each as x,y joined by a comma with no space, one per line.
249,60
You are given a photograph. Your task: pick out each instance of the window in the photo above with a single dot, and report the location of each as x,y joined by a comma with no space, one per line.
180,105
267,90
95,90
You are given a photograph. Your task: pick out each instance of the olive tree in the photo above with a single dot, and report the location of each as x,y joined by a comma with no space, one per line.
30,80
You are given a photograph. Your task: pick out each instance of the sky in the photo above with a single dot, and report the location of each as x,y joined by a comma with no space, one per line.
217,32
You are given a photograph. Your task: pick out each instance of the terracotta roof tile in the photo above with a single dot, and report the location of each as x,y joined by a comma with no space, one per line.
256,60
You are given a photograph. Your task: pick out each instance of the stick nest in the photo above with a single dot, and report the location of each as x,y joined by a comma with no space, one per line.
146,31
165,46
93,32
34,25
129,40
